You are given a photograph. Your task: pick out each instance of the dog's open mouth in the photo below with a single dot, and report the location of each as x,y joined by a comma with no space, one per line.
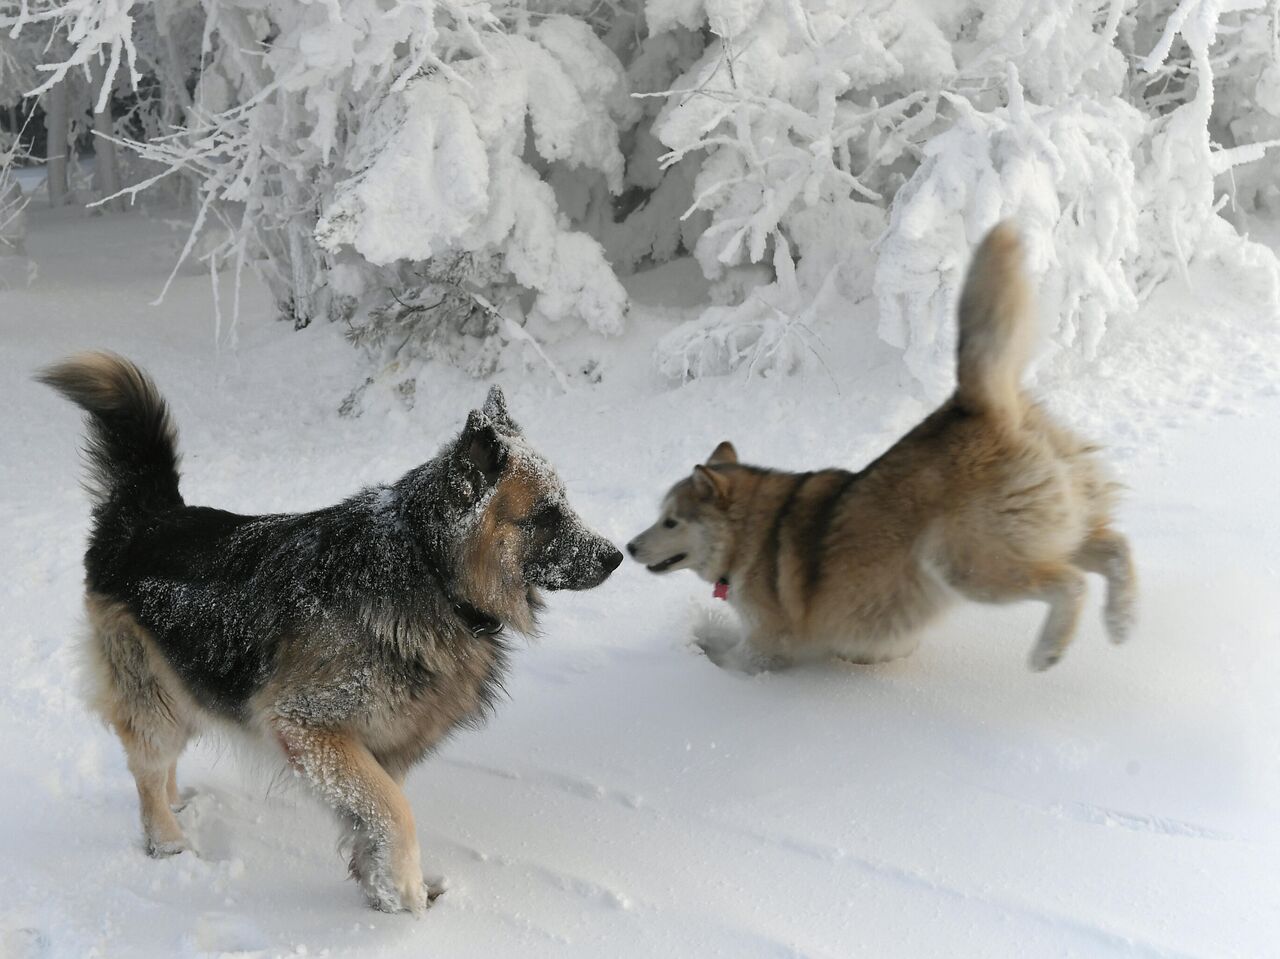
666,564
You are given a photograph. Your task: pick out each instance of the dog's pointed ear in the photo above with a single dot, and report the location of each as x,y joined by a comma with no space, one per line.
495,407
481,447
709,484
724,453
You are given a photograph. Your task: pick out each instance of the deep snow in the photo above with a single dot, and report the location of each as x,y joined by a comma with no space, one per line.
631,799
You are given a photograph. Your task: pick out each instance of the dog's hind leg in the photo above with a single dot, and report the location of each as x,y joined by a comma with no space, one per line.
1062,588
1060,585
347,776
131,696
1107,552
149,752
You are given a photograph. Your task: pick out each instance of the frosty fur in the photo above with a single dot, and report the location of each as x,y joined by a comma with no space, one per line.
351,640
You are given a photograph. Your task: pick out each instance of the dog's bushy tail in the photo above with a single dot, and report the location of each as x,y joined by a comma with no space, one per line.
132,445
995,327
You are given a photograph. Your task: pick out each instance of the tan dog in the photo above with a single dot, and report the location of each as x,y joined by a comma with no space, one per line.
987,498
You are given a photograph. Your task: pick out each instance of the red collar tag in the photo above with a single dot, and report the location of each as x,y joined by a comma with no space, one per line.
722,589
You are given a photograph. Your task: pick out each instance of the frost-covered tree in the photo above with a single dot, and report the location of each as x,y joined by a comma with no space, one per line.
449,176
81,101
13,220
860,150
362,153
447,169
15,268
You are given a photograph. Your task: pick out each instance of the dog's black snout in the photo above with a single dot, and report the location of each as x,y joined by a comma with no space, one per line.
611,560
631,547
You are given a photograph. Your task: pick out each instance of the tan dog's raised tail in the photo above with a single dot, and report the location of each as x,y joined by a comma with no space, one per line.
987,498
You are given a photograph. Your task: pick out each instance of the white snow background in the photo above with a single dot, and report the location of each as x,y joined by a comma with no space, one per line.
631,799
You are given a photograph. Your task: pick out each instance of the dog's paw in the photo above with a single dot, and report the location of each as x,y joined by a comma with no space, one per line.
715,632
737,659
744,659
413,894
1044,657
164,848
413,897
385,898
723,656
1118,617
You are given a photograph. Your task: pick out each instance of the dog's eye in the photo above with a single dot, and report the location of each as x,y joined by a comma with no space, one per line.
545,518
670,523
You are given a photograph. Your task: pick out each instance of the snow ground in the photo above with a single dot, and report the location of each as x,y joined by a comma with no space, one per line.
631,799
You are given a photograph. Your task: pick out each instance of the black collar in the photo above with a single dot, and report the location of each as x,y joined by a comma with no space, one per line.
477,621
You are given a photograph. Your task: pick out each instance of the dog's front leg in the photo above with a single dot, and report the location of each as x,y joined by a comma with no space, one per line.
758,652
348,777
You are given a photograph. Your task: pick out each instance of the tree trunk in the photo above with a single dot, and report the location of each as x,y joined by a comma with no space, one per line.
106,175
56,123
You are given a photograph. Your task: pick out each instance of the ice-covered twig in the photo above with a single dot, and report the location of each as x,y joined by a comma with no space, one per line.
518,332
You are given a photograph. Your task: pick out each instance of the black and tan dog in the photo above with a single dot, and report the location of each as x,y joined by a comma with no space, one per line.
987,498
351,640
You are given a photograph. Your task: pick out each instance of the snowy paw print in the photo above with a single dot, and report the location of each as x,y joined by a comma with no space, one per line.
219,933
24,943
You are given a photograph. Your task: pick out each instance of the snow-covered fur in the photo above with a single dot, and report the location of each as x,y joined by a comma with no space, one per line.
352,638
